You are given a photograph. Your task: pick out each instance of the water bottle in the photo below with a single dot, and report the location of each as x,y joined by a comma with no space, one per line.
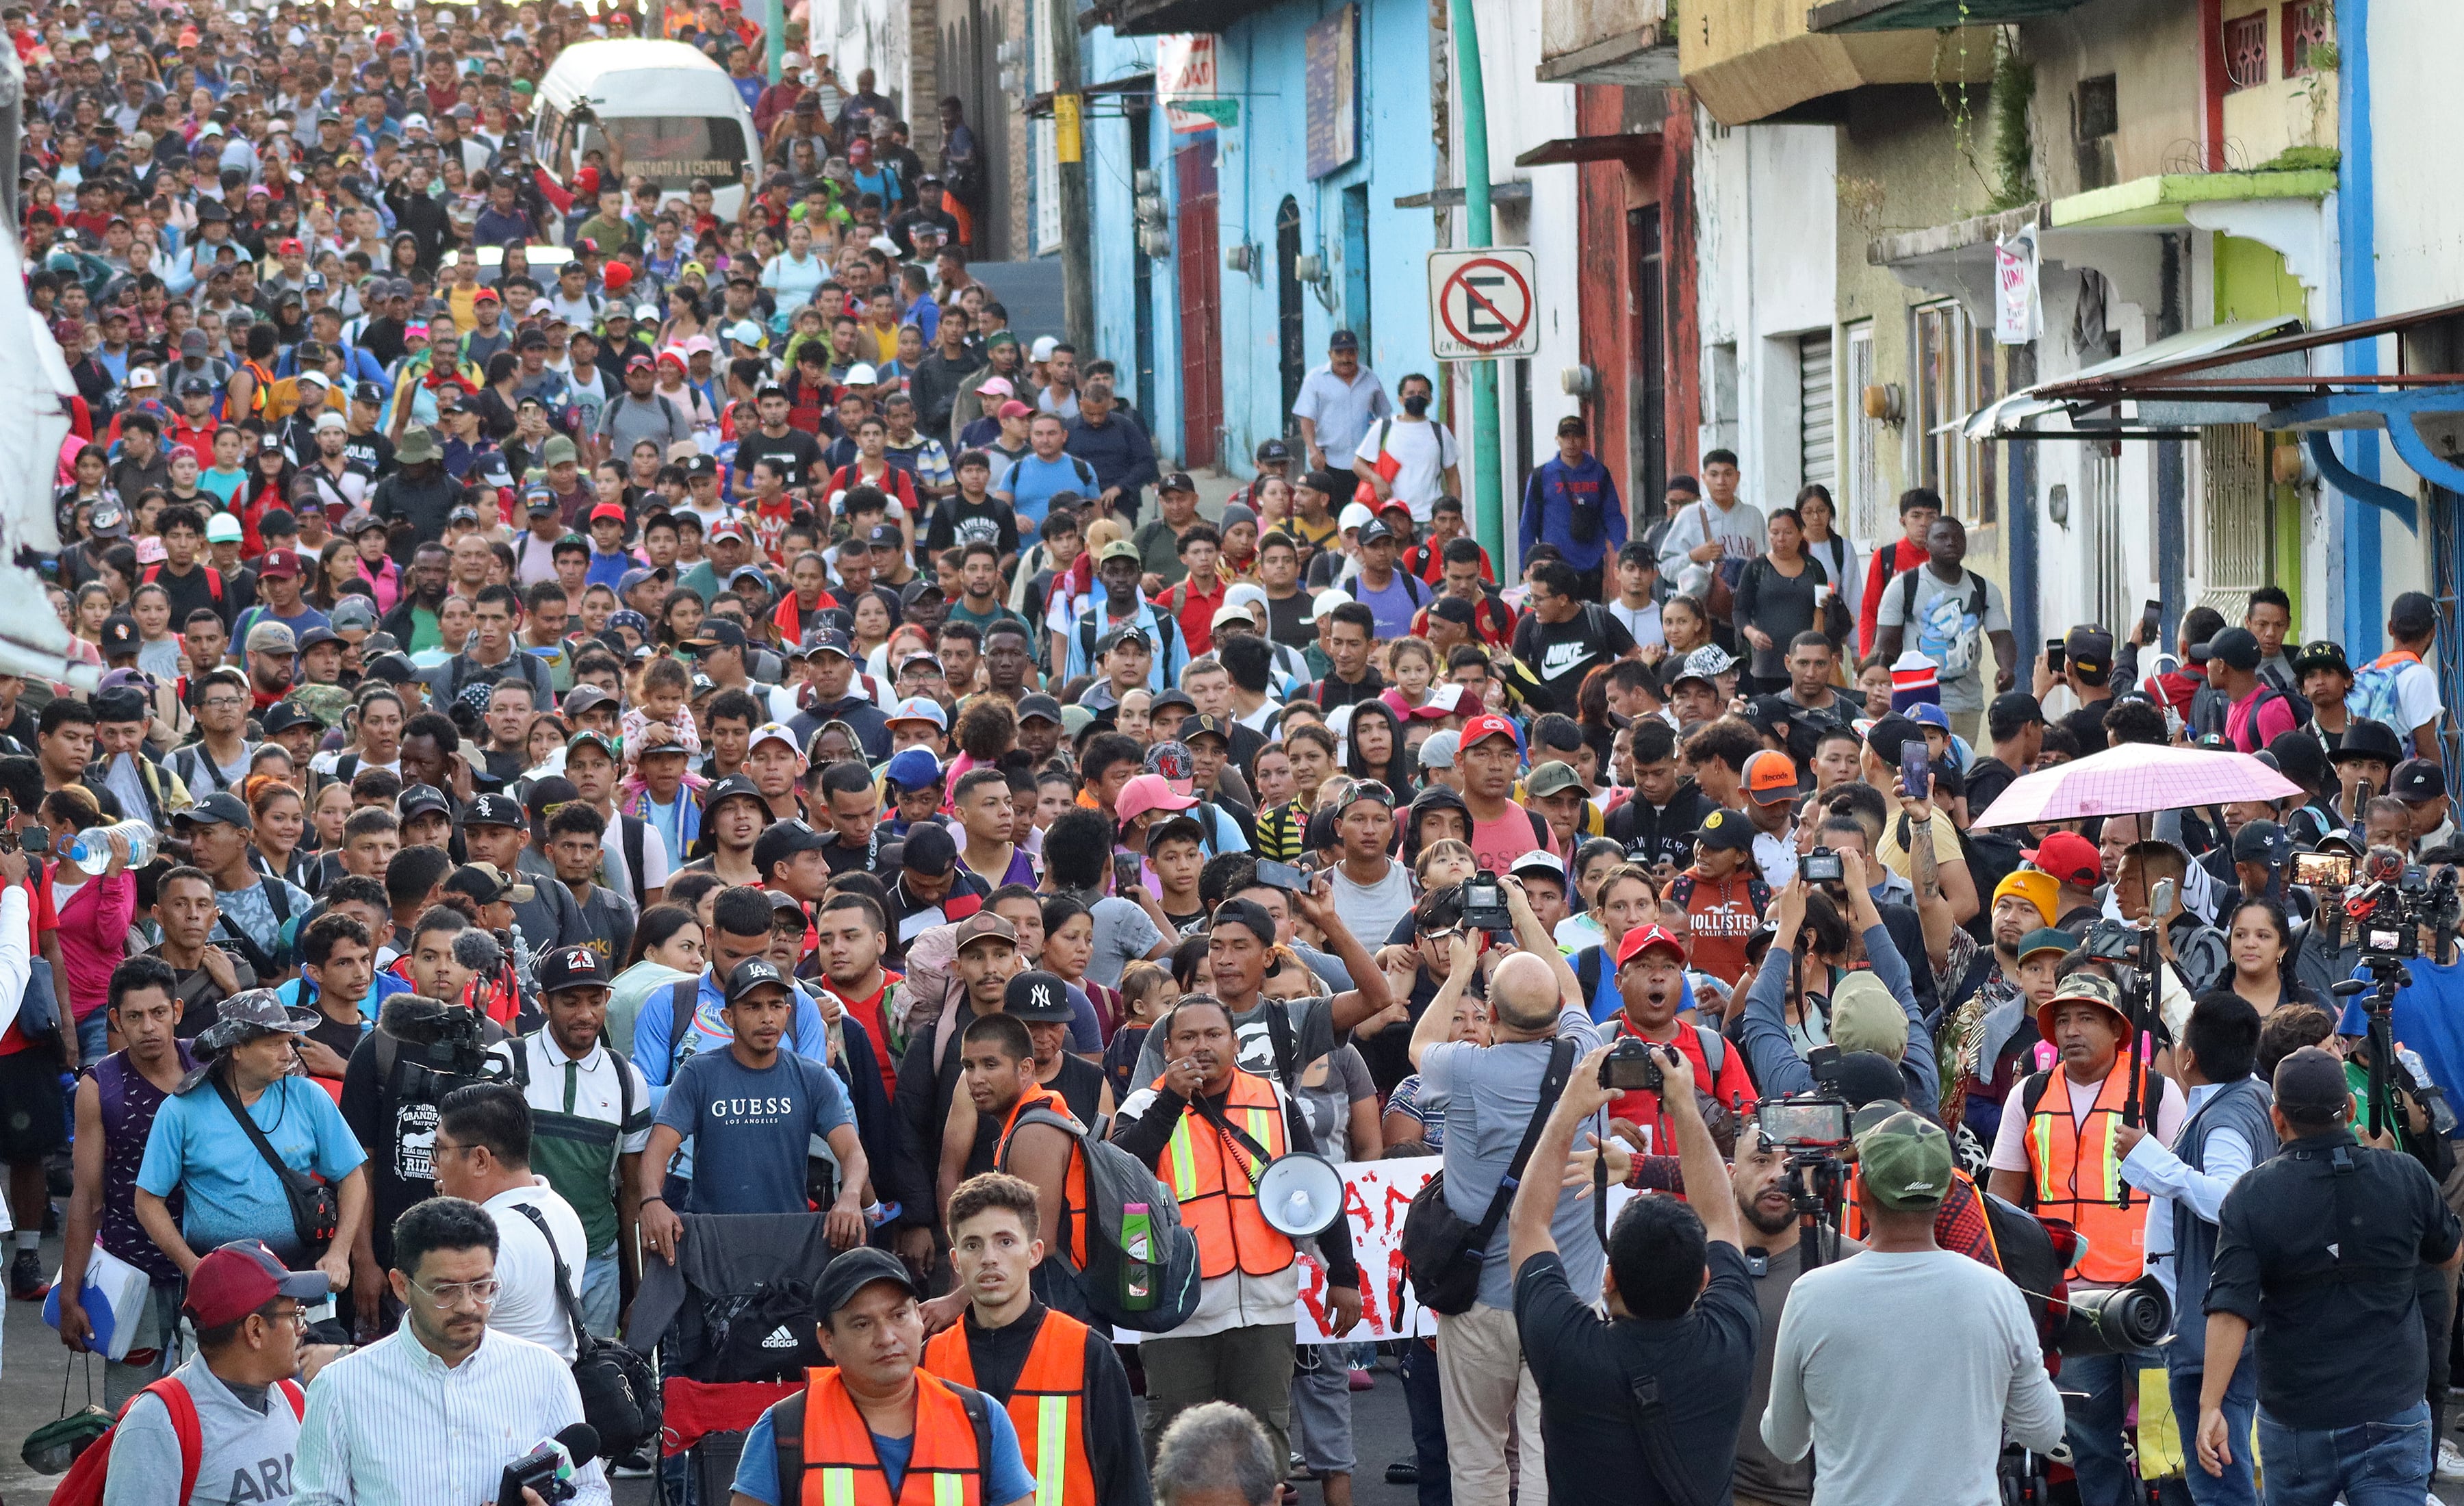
1137,1256
91,849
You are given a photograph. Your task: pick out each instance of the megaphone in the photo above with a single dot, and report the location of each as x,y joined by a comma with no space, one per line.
1300,1195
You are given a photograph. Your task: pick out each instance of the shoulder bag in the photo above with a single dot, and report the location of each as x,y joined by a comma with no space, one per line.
620,1391
316,1212
1444,1253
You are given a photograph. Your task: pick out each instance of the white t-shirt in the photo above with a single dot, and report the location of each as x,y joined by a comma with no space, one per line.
1425,449
527,1306
1641,623
2010,1140
654,858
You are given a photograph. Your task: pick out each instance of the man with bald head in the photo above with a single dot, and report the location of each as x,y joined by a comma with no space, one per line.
1538,1023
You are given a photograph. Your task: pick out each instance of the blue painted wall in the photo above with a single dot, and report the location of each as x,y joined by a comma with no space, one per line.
1258,163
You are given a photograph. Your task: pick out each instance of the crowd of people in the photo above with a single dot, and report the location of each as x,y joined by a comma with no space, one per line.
684,724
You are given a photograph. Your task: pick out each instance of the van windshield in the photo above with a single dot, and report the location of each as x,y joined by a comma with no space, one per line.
672,151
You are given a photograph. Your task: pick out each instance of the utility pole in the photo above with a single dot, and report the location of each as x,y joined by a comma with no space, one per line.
1488,492
1069,154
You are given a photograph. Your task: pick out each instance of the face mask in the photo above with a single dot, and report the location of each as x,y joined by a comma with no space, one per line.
1416,405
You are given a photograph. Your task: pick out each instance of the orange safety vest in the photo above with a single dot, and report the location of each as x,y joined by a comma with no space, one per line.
1047,1406
2077,1175
1222,1210
838,1466
1073,1182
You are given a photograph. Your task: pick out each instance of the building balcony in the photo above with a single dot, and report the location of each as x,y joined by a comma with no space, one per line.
1607,41
1749,60
1838,17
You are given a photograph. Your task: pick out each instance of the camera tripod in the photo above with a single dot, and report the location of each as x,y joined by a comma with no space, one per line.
1814,1181
2388,974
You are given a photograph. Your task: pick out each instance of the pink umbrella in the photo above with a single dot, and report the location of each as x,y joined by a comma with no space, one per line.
2135,777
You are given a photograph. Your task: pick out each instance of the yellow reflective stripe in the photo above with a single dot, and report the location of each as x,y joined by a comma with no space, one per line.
949,1489
1261,1129
2108,1166
838,1487
2040,1137
1051,1448
1184,1167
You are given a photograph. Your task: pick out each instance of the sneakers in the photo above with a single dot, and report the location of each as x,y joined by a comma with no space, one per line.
26,1282
2451,1461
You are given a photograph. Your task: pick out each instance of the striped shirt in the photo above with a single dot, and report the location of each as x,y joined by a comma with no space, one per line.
393,1425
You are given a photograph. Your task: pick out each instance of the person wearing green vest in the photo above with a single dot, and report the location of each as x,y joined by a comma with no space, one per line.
590,1111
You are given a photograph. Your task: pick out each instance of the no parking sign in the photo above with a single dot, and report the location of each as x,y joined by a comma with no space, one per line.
1481,304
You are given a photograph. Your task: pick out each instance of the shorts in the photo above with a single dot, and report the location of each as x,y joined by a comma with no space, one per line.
34,1112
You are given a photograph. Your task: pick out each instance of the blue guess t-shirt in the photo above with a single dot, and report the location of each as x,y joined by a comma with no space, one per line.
752,1128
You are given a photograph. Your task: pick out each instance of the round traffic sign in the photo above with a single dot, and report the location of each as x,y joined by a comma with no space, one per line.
1486,303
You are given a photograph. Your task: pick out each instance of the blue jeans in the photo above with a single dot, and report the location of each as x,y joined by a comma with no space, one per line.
2234,1487
2384,1463
602,1294
2094,1423
94,1038
1428,1413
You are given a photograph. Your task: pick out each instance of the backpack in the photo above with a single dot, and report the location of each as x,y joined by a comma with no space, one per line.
213,580
83,1484
1966,651
1115,1179
1167,633
1414,587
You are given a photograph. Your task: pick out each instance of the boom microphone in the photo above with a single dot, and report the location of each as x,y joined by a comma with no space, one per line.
549,1468
478,952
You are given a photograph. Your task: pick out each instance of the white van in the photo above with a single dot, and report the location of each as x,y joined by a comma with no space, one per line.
669,112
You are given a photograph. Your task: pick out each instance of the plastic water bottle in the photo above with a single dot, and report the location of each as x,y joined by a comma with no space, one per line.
1137,1258
91,849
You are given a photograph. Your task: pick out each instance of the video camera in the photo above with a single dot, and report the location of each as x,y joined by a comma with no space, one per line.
444,1046
2397,900
1810,1128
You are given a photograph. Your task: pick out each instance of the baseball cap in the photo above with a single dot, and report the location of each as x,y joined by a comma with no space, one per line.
2417,780
236,1279
930,849
419,800
851,1270
1903,1161
2263,842
1145,792
487,883
1725,830
1439,750
1481,728
222,807
494,810
278,563
1769,778
1537,861
920,708
570,967
2045,938
223,528
2090,650
1038,997
755,972
1643,938
1553,778
2321,654
981,925
1038,705
2070,858
1325,601
2311,1083
2238,646
913,768
782,841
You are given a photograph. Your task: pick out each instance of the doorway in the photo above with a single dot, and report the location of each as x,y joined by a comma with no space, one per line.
1355,267
1646,356
1288,342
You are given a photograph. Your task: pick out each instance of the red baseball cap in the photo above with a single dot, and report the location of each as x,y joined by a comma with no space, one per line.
1643,938
278,563
2069,857
610,510
288,248
235,1280
1483,727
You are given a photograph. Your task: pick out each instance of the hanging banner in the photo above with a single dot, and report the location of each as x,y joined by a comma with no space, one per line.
1185,81
1376,1194
2017,314
1067,146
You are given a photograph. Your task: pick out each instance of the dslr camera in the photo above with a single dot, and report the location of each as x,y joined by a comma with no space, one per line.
1633,1066
1484,904
1821,866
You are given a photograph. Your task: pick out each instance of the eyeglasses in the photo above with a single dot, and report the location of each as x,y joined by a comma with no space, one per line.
447,1296
221,703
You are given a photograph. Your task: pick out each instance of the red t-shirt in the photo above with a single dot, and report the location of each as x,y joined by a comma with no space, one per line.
867,1010
1731,1085
1497,844
38,891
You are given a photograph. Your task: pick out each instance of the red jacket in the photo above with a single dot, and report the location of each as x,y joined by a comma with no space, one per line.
1899,559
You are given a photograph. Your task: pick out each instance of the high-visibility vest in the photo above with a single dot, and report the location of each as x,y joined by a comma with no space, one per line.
2077,1175
1047,1406
840,1466
1215,1181
1073,1182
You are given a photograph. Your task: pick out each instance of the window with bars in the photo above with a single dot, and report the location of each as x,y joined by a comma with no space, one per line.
2307,23
2246,52
1955,377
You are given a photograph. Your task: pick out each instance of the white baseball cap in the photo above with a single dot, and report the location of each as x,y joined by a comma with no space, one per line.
1354,514
1327,602
221,528
1043,348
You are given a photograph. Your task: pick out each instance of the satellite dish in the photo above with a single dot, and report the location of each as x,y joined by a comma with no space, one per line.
1300,1195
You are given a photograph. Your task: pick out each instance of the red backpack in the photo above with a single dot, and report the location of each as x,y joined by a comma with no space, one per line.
82,1485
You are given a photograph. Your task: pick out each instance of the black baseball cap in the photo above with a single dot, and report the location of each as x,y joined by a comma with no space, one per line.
419,800
2090,649
2238,646
1892,733
2321,654
571,967
1176,482
717,632
2417,780
754,972
2311,1083
782,841
1727,829
222,807
930,849
1038,705
1039,998
852,1271
494,810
